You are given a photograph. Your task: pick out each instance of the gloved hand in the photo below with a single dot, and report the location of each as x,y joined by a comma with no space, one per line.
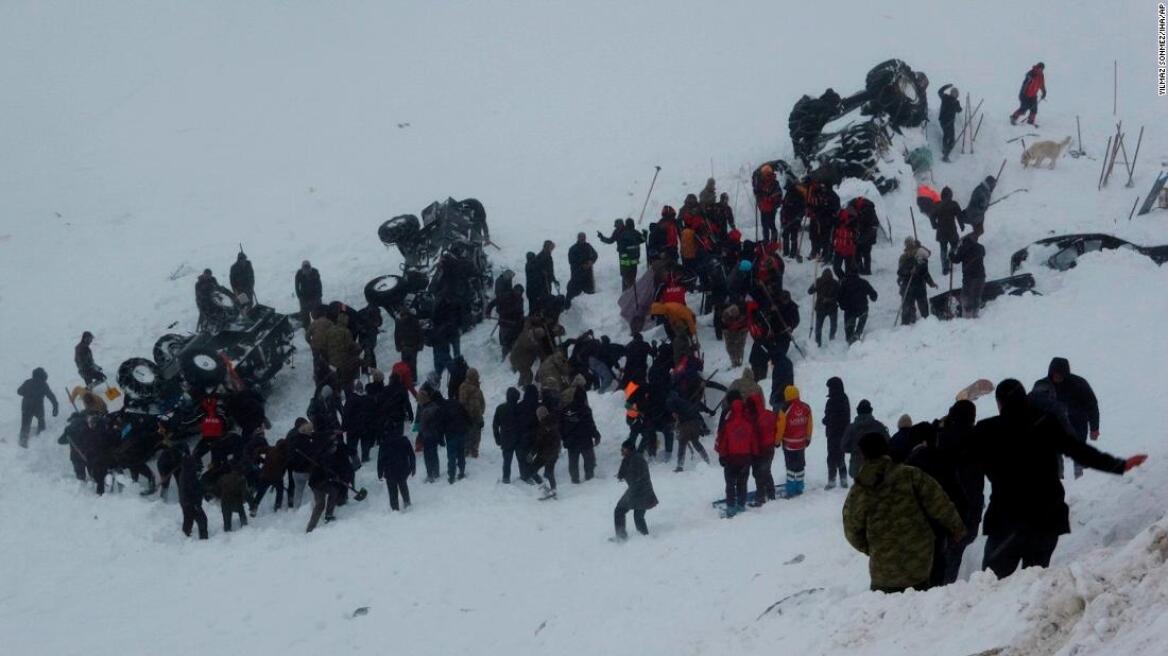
1094,433
1134,461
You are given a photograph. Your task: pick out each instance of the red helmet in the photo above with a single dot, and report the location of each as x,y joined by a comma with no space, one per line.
668,212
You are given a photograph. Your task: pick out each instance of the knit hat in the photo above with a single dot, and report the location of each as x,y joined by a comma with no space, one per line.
905,421
864,408
541,413
630,444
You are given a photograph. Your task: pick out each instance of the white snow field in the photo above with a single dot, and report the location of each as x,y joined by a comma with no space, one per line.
140,136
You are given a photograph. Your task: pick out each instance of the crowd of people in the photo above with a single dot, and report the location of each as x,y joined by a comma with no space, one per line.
915,497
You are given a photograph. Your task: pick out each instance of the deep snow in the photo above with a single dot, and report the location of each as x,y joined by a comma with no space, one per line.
141,136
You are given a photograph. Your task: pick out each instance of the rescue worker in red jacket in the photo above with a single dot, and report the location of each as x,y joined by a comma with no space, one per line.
1033,84
793,433
737,444
843,243
764,420
769,195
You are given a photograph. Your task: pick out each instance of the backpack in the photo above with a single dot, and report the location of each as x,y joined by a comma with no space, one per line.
844,240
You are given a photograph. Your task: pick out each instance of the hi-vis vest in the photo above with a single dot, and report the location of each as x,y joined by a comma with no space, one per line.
796,427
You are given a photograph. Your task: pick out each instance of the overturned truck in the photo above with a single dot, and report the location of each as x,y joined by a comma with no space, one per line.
445,270
238,347
894,96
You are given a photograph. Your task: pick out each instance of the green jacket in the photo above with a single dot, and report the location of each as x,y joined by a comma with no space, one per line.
887,516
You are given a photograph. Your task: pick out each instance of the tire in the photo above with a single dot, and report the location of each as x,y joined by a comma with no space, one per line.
899,93
222,307
386,292
140,378
202,367
400,229
167,348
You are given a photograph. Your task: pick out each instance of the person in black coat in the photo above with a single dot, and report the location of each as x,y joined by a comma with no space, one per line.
1020,450
950,107
954,439
359,423
506,427
854,294
324,411
637,353
581,258
309,290
246,409
912,276
509,301
408,338
541,275
190,496
639,498
33,393
242,276
367,327
1078,401
837,416
979,204
939,464
580,436
86,366
971,256
396,463
455,423
525,437
326,480
944,218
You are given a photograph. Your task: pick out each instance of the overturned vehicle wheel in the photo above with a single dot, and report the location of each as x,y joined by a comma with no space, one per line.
896,91
202,367
222,307
140,378
167,348
400,229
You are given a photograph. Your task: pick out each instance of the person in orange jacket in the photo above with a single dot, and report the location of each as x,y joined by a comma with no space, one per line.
675,312
793,433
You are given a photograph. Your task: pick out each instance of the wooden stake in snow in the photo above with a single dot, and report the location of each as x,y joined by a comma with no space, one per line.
1106,152
1133,209
1079,131
1131,171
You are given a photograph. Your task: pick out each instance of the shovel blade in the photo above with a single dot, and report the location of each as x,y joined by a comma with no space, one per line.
112,393
361,494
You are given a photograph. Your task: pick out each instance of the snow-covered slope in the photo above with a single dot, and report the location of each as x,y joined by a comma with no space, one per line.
140,136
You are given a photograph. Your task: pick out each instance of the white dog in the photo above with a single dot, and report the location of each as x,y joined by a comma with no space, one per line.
1041,150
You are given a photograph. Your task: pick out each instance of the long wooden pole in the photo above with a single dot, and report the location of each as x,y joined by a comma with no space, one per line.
1106,153
1132,170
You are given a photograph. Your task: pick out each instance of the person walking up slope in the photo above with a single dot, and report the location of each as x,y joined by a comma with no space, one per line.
1033,84
889,517
793,433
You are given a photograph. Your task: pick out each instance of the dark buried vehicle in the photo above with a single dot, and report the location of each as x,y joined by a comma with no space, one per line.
1062,252
947,305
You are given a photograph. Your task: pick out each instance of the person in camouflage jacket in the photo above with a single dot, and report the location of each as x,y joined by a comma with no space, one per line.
889,515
